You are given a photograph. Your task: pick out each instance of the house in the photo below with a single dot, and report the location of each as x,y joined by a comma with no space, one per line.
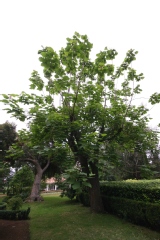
51,184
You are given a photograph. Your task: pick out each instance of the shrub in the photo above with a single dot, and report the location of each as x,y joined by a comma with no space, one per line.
15,203
68,192
83,198
9,215
23,214
3,206
147,191
142,213
14,215
24,194
5,199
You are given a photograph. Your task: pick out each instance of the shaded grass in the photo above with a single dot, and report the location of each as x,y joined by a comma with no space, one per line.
59,219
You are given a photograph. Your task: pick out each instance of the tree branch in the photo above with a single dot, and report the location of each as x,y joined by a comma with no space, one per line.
44,169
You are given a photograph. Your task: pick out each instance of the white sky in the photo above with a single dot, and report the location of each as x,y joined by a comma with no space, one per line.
25,25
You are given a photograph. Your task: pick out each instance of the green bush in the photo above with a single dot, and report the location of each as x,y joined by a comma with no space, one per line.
14,215
15,203
9,215
142,213
147,191
23,214
24,194
68,192
83,198
5,199
3,206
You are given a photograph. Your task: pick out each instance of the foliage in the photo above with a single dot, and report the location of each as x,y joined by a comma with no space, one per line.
154,98
24,176
67,191
24,214
96,113
35,149
74,182
38,153
142,213
141,190
21,182
3,206
140,162
15,203
83,198
7,137
5,199
14,214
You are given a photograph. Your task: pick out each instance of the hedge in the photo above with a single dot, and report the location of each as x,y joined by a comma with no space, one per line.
132,190
139,212
142,213
14,214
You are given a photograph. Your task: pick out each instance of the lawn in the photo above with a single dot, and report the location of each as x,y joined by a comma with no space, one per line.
60,219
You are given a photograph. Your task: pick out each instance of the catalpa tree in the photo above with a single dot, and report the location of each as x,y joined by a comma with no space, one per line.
94,112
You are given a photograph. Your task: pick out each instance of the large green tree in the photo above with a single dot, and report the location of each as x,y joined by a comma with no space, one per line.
96,108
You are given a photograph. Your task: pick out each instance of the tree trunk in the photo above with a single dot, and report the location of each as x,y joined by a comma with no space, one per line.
94,192
95,196
35,192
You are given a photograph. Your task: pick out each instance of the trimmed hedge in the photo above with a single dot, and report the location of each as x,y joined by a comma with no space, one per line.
135,190
139,212
14,214
142,213
154,183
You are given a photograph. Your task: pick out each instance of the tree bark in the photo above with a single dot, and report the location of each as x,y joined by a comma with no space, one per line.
35,192
96,203
95,196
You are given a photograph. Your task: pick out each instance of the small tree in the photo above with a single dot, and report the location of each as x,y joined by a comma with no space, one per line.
22,182
40,151
24,150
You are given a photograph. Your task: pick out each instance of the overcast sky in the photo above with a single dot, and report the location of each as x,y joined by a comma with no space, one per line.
26,25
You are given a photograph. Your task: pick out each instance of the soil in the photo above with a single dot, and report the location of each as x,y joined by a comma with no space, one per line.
14,230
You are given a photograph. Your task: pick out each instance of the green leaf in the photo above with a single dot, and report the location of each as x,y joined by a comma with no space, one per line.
87,184
5,96
76,186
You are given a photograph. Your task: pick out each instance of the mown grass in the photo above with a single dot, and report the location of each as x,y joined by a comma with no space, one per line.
60,219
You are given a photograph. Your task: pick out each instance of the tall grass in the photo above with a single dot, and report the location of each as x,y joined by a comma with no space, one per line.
60,219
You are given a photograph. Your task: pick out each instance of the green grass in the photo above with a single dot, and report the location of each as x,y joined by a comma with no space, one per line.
60,219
